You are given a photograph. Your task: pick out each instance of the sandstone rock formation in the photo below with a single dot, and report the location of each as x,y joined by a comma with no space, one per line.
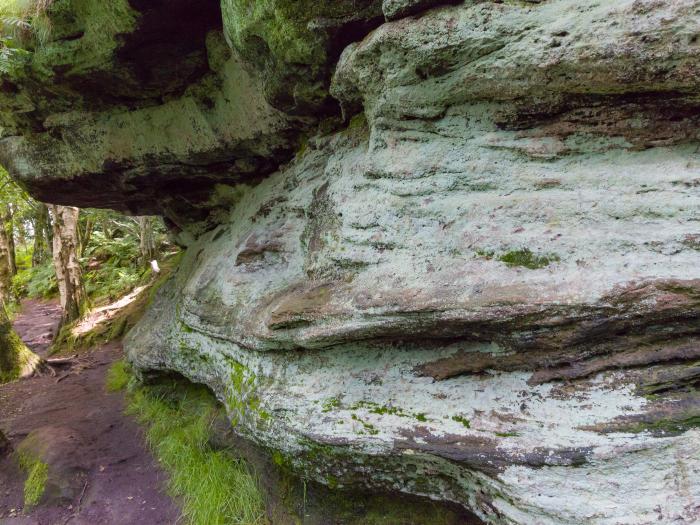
444,249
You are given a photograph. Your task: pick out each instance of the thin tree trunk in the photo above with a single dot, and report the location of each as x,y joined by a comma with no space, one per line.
40,241
5,268
85,235
66,263
48,232
10,230
147,244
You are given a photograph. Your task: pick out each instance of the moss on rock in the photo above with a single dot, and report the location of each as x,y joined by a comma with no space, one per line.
16,360
297,41
37,475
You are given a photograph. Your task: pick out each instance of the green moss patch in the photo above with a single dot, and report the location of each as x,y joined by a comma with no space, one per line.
463,420
15,358
37,476
527,259
664,427
524,258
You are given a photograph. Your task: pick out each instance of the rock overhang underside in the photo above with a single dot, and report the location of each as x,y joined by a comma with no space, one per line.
447,249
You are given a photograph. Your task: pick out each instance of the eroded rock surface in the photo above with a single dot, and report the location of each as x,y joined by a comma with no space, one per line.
482,286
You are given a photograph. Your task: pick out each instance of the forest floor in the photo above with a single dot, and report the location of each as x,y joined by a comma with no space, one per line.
99,469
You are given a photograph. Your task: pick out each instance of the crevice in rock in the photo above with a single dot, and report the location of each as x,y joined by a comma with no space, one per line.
168,50
164,55
670,118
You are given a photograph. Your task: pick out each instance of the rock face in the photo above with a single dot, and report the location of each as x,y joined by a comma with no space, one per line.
480,284
65,477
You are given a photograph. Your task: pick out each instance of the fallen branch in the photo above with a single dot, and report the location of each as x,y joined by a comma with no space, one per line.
61,361
80,504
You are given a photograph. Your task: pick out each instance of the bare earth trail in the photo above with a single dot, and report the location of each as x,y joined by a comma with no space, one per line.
108,475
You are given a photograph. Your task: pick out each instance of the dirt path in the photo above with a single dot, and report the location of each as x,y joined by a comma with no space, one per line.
100,473
37,324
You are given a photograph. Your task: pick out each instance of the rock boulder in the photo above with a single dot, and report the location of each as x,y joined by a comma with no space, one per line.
447,250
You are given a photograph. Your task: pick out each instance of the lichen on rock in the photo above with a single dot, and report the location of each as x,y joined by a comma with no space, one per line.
448,255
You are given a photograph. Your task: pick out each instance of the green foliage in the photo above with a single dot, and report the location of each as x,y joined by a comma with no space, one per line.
11,57
37,476
23,17
118,376
111,258
19,20
110,282
119,250
36,283
215,487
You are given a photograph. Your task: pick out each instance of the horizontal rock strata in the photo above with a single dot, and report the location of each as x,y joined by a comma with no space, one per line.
447,249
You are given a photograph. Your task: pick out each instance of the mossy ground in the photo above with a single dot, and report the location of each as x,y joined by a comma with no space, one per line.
215,487
37,476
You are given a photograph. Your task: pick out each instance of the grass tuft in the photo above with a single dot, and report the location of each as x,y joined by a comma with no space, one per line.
215,487
118,376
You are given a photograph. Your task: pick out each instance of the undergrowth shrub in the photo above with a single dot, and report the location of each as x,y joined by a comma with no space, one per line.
36,283
20,19
112,266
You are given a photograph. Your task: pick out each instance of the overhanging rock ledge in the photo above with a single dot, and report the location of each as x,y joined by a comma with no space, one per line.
450,250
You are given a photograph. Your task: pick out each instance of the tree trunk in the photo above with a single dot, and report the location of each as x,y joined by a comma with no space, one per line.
5,267
66,264
16,360
86,235
48,232
10,231
42,235
147,243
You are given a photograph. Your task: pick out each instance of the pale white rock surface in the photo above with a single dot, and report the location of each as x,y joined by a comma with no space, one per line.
446,249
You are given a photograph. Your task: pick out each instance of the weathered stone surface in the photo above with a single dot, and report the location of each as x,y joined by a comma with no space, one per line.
320,348
65,479
145,107
295,44
484,288
394,9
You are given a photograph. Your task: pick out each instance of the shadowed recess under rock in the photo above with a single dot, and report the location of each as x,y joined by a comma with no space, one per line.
438,249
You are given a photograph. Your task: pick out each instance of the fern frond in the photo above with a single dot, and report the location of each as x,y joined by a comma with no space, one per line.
15,21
